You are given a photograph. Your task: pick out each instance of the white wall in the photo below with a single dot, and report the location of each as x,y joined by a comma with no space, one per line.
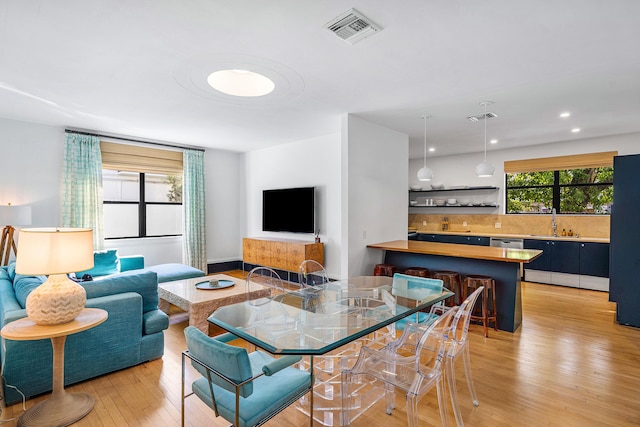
460,169
374,192
313,162
32,169
224,192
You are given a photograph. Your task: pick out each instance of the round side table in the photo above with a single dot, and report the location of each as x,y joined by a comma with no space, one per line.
62,408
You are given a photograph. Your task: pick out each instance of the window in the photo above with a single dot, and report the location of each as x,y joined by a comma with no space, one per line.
141,204
570,191
142,191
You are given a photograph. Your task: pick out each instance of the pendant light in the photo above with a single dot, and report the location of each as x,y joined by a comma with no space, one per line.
485,169
425,173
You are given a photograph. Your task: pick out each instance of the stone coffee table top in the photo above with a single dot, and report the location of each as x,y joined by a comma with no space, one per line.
199,303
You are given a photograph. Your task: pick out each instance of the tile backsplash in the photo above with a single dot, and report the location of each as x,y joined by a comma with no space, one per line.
584,225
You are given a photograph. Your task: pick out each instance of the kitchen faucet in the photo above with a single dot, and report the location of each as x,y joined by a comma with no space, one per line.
554,225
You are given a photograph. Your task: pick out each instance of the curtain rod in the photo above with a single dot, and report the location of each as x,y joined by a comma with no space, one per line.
131,140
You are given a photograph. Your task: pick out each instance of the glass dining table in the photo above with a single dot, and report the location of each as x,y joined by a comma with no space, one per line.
331,321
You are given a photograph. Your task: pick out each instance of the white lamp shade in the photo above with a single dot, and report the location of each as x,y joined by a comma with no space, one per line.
425,174
484,169
15,215
46,251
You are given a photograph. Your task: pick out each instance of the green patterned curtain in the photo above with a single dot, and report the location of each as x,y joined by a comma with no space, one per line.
82,186
194,236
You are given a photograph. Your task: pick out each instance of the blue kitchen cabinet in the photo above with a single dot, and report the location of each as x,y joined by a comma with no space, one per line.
594,259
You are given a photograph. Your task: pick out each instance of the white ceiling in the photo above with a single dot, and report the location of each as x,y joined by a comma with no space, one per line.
138,68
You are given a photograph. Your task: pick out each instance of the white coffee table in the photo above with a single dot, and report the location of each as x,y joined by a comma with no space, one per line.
199,304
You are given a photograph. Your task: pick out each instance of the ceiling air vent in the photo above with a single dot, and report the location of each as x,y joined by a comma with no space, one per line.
352,26
482,116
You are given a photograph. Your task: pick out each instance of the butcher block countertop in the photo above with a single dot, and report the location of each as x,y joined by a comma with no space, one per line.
460,251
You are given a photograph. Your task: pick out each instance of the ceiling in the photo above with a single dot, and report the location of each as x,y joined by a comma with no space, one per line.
139,69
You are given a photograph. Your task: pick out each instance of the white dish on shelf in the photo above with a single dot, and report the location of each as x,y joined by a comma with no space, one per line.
477,204
437,186
440,202
452,201
415,187
413,202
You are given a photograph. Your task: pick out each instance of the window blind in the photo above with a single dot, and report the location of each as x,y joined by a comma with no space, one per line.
575,161
135,158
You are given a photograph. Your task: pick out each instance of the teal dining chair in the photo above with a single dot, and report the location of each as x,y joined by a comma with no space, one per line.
412,282
246,389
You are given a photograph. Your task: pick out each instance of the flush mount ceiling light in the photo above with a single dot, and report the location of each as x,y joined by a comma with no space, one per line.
485,169
425,173
575,130
241,83
192,74
565,115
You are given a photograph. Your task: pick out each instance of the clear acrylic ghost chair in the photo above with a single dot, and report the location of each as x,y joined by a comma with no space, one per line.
269,315
312,274
412,364
264,276
458,344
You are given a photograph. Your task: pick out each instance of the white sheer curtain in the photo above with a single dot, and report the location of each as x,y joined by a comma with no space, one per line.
194,236
82,186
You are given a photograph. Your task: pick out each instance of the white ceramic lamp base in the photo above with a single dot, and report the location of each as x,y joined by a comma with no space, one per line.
58,300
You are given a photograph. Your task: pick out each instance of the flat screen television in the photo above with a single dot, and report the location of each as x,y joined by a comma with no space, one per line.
289,209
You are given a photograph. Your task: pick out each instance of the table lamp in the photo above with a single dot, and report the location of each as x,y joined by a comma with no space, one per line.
55,252
10,216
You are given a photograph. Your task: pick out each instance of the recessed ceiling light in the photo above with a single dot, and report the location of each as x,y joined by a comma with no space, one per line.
575,130
493,141
565,114
432,149
240,83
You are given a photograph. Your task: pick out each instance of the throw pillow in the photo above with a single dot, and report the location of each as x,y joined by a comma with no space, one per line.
23,285
104,263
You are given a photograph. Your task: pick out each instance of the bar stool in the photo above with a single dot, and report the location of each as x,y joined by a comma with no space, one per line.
488,315
418,271
384,270
453,282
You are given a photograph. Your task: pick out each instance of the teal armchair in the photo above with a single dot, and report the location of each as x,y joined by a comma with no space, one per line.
246,389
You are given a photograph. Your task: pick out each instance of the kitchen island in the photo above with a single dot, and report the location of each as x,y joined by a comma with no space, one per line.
503,264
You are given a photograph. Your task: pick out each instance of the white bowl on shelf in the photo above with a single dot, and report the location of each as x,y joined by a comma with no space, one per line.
437,186
440,202
452,201
464,202
415,187
413,202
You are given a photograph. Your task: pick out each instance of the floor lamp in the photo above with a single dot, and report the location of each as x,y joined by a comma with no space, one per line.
16,215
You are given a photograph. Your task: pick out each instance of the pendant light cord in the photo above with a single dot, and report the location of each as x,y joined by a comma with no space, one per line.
425,140
485,132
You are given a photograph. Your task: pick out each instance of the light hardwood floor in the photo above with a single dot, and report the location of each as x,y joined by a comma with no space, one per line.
569,364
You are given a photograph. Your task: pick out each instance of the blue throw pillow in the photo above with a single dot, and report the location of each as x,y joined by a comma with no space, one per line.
23,285
104,263
11,270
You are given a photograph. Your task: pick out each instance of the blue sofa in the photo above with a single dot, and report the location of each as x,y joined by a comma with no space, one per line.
132,334
109,262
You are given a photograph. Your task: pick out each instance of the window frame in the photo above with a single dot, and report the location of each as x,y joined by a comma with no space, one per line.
556,188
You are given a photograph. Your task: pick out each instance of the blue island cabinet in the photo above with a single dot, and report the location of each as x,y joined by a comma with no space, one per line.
454,238
625,234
